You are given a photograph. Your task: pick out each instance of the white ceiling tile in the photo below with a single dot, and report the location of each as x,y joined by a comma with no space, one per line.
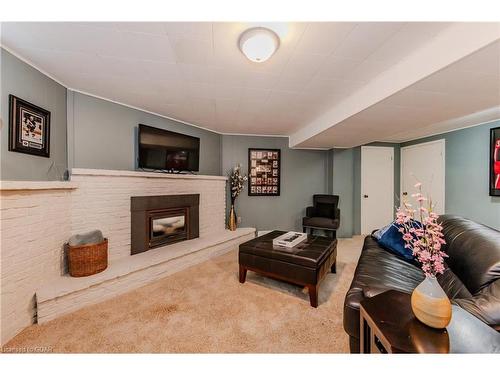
227,92
367,70
59,63
155,28
335,67
249,94
486,61
190,30
406,40
254,106
230,76
259,80
365,38
200,90
226,105
417,98
323,37
451,80
139,46
321,86
213,91
192,51
296,76
197,73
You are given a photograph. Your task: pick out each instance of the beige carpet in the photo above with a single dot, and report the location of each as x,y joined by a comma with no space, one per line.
204,309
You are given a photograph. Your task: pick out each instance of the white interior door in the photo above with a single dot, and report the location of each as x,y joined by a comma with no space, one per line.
424,163
377,187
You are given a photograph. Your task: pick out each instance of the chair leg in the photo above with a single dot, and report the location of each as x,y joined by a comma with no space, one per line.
334,267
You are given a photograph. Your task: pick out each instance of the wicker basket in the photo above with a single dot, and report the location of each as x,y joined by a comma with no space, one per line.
86,260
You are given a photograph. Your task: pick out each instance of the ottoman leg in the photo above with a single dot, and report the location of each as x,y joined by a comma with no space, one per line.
243,274
313,295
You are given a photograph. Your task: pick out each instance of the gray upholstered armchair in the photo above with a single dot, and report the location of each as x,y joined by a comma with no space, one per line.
324,214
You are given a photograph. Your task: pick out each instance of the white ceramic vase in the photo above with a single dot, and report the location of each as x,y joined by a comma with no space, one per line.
430,304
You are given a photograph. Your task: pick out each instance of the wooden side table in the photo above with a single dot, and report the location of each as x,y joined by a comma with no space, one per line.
388,325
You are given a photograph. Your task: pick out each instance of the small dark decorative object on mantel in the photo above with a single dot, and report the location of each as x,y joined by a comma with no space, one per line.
29,128
264,172
495,162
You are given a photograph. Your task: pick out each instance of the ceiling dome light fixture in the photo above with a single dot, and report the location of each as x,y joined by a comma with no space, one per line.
259,44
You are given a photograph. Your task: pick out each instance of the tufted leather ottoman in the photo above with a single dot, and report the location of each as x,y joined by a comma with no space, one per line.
305,264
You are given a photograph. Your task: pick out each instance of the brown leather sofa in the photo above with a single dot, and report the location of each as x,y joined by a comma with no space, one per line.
471,279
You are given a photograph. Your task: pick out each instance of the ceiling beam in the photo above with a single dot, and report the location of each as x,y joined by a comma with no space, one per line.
452,44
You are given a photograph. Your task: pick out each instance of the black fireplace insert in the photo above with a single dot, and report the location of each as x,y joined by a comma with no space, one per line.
162,220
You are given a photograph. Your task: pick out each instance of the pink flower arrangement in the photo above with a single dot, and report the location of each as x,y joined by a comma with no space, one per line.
423,237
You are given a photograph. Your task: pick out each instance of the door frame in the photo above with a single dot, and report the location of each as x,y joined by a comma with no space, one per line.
362,224
441,141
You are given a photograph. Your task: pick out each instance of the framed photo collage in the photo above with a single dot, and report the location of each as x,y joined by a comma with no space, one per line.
264,172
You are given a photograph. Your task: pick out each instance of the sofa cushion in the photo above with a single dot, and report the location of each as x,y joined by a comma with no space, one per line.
325,210
452,285
391,239
485,305
473,252
320,222
378,270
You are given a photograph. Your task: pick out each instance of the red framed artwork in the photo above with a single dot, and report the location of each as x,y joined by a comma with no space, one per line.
495,162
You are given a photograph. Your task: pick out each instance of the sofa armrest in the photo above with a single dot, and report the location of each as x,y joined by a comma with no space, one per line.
310,212
337,214
485,305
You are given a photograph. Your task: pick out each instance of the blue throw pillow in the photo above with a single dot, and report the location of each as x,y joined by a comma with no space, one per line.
390,238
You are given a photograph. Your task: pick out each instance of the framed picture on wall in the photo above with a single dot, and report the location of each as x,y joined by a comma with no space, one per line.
29,128
264,171
495,162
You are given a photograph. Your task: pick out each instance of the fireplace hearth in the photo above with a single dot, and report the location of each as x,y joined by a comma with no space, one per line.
162,220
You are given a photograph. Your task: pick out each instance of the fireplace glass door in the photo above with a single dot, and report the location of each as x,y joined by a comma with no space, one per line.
168,226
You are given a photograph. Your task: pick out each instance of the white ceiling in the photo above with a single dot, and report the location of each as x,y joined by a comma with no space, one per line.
462,94
194,72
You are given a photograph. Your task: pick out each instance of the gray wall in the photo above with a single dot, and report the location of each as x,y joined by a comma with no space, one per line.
343,182
25,82
303,173
467,173
103,135
346,180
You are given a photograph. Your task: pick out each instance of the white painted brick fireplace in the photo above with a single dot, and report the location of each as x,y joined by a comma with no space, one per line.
37,218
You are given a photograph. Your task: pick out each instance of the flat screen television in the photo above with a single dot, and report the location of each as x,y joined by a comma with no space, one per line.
169,151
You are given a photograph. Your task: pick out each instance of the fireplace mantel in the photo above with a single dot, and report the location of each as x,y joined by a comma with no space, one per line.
37,185
120,173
